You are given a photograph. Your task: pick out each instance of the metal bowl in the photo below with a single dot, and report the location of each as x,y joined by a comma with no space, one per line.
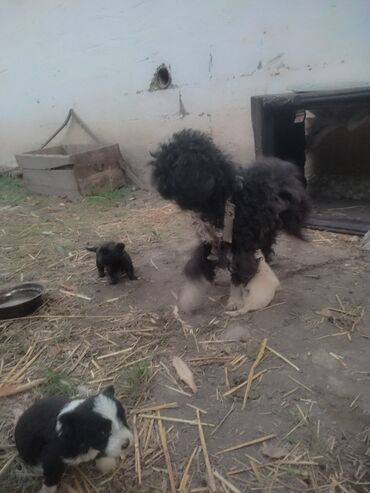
21,300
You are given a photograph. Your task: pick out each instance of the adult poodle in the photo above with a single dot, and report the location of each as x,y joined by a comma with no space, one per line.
239,210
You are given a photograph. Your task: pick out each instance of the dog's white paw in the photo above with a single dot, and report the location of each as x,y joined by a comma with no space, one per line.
106,464
235,301
233,305
234,313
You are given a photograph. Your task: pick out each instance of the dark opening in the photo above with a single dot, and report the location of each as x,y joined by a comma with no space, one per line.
326,134
162,78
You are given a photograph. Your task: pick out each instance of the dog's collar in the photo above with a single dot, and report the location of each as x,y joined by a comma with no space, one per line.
209,233
229,216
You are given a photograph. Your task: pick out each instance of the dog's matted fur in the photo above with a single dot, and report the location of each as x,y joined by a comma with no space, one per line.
268,195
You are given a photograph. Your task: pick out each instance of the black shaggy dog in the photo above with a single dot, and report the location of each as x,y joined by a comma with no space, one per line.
268,196
112,258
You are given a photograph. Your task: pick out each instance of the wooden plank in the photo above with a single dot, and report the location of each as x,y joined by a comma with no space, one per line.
73,149
55,150
52,182
57,192
42,161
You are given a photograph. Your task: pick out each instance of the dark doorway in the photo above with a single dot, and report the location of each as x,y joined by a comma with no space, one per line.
327,135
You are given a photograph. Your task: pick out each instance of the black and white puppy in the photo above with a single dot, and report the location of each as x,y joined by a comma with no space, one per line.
55,432
112,258
266,196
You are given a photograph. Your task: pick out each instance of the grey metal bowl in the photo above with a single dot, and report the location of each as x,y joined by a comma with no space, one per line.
21,300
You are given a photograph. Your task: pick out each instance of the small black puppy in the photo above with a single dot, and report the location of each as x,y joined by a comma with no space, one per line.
112,258
55,432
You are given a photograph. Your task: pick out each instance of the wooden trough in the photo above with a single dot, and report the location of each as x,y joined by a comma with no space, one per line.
73,170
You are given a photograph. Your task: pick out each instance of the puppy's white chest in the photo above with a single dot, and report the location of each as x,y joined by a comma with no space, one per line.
79,459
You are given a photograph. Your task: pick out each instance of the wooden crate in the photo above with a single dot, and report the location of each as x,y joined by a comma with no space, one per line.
73,170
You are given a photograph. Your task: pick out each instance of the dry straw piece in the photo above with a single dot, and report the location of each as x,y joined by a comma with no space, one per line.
246,444
260,354
226,483
273,351
210,477
183,488
163,437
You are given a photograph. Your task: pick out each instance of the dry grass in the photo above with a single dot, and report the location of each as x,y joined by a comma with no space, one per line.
65,347
79,341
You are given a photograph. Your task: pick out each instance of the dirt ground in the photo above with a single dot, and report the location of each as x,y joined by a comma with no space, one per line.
305,424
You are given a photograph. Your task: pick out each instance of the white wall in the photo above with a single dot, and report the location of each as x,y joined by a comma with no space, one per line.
99,56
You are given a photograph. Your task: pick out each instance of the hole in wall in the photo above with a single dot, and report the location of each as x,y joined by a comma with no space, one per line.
161,79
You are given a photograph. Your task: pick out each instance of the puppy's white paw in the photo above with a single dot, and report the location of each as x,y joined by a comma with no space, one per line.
106,464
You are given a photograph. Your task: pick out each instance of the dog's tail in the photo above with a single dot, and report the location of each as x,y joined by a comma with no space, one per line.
92,249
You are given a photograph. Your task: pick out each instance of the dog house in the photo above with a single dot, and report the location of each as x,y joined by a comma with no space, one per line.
326,134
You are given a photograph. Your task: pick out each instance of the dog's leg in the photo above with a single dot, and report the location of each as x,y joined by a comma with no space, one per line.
269,239
129,269
268,252
236,297
199,266
244,268
198,272
112,274
242,305
100,265
294,217
106,464
53,469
